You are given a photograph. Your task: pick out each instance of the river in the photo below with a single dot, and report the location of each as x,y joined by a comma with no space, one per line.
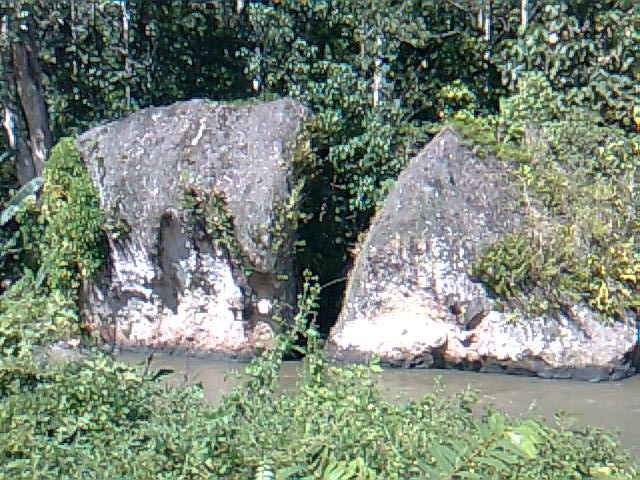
610,405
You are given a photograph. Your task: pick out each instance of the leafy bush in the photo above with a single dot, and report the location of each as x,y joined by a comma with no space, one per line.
29,317
577,176
102,419
61,233
99,419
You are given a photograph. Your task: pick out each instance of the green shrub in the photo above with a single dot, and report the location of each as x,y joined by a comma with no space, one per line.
61,232
579,240
28,317
99,418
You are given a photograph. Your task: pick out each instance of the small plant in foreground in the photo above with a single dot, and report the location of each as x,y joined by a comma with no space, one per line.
100,418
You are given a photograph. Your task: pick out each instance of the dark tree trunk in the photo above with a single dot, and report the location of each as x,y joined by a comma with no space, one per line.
25,168
26,72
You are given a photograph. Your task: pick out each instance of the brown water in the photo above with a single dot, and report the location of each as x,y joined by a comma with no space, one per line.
610,405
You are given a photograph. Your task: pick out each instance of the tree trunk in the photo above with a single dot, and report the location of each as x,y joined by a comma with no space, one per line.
26,72
127,64
524,14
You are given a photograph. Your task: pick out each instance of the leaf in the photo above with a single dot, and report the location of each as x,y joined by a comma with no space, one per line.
484,431
496,423
162,372
445,457
29,189
499,465
285,473
510,446
338,471
523,443
42,273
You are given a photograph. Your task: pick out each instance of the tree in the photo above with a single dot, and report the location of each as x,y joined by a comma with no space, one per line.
27,103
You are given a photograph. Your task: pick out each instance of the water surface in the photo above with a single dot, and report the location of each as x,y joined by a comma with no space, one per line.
610,405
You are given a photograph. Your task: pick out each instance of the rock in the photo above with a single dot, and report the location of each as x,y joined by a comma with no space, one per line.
411,301
60,352
166,283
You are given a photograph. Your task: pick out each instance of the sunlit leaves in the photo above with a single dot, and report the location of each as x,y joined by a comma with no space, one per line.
576,175
71,235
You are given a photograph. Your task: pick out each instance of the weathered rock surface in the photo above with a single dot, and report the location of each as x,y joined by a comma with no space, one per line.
167,285
411,301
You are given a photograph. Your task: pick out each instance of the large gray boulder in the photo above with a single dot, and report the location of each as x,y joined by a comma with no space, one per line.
410,298
166,283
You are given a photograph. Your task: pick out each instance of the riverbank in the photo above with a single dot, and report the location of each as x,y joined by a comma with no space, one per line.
610,405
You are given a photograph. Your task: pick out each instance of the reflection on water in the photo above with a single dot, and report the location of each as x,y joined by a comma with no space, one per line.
610,405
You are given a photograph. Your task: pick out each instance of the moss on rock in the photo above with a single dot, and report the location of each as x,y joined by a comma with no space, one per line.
578,181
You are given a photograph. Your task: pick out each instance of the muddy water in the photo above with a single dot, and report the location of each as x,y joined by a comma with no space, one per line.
610,405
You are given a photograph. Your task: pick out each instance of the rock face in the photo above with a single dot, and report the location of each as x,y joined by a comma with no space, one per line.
411,301
168,284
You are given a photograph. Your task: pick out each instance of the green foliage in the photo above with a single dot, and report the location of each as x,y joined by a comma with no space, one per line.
429,60
101,60
515,267
579,44
101,419
580,176
287,217
62,232
28,317
212,213
98,418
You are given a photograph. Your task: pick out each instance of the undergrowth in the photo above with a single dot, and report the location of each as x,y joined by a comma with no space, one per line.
99,418
580,235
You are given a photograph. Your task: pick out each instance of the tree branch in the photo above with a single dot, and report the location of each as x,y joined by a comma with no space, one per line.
458,6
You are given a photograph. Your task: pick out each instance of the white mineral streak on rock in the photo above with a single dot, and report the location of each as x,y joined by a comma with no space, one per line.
133,269
205,321
403,328
264,306
198,136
